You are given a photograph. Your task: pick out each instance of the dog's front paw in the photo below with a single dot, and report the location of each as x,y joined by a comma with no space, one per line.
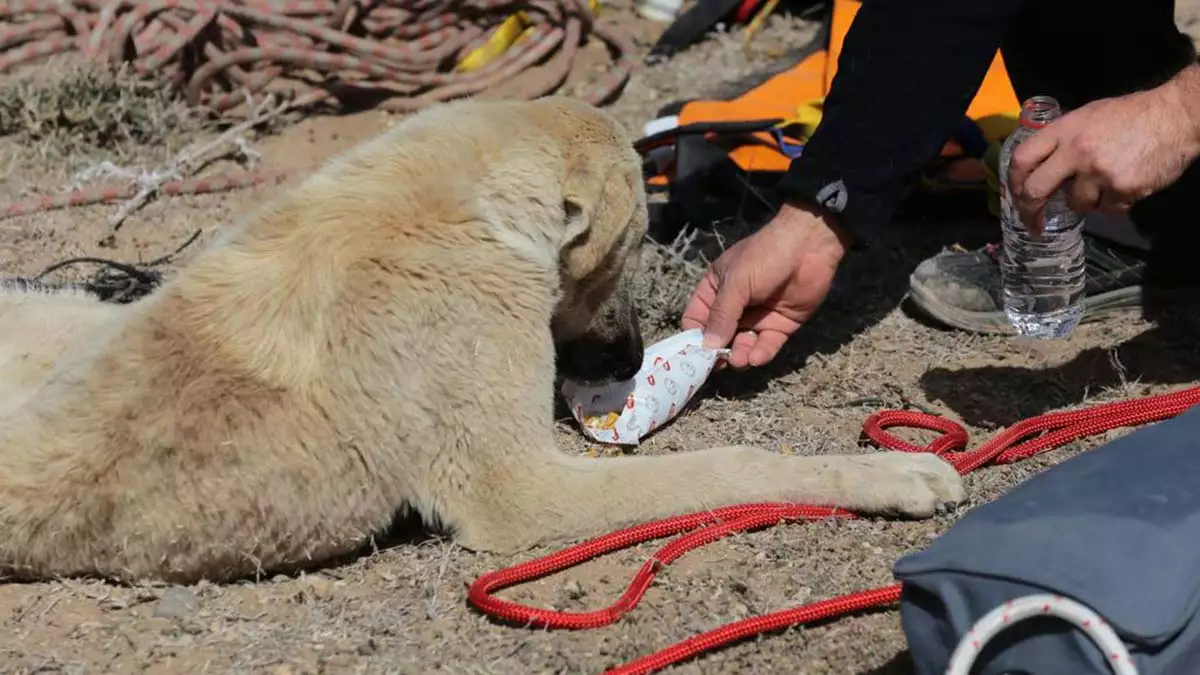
916,485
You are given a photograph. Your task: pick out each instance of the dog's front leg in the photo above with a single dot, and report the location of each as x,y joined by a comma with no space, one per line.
555,496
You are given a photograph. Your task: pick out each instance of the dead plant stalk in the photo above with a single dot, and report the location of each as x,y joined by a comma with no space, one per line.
189,159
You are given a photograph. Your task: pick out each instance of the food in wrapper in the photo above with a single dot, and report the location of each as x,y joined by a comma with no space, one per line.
623,413
606,421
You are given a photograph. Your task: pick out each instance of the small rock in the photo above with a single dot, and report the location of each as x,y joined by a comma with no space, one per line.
316,587
573,590
114,603
176,602
337,663
439,627
192,627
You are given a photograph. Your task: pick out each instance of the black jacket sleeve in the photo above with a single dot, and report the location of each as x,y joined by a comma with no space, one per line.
907,73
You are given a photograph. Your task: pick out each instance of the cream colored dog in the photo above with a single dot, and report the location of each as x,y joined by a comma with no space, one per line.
381,338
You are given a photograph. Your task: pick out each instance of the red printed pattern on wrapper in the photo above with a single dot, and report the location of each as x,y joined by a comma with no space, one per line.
652,390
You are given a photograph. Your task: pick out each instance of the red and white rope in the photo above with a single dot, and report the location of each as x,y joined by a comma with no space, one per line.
1038,605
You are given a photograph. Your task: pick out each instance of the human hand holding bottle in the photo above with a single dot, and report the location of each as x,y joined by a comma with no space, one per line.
1110,153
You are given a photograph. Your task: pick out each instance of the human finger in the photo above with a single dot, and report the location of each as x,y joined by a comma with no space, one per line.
1031,195
743,345
1030,154
696,312
767,347
1114,204
1083,194
732,296
767,317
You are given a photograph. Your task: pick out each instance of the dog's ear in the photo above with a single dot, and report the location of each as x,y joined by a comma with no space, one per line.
581,195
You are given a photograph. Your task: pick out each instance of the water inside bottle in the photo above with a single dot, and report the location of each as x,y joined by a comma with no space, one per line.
1043,282
1043,275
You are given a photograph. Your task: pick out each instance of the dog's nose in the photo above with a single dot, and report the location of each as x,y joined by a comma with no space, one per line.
625,358
626,369
618,361
594,361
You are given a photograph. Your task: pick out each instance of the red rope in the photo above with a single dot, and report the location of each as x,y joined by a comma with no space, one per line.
1044,432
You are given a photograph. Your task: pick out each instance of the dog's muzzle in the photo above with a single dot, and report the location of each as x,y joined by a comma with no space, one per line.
594,361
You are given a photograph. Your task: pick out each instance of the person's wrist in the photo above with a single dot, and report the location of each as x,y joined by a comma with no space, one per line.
821,233
1181,96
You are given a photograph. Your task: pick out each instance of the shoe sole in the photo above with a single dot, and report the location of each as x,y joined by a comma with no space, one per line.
1095,307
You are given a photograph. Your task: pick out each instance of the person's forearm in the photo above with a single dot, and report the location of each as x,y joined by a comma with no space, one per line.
907,74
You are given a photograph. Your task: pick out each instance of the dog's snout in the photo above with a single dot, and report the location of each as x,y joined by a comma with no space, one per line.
626,359
595,361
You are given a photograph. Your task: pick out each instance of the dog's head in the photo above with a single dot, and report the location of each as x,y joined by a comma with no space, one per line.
595,324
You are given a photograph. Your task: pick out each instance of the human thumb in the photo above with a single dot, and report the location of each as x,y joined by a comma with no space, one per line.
725,313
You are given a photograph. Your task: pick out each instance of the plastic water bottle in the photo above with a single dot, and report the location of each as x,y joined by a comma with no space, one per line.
1042,275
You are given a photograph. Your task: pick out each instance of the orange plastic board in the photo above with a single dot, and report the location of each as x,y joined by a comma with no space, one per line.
777,97
995,106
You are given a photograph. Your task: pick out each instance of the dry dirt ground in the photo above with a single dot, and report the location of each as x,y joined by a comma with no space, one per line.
402,608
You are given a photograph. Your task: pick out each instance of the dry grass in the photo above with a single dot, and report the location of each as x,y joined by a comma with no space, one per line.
669,273
402,609
76,111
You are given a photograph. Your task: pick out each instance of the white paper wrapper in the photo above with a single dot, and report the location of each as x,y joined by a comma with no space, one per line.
672,372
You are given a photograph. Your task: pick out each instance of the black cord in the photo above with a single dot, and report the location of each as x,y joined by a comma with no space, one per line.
128,283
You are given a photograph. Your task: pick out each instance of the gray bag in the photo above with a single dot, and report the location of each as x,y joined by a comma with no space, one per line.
1116,528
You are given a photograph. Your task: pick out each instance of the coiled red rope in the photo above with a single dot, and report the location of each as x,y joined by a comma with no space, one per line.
1024,439
407,52
221,54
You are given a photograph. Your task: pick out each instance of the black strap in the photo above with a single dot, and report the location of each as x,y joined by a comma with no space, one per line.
690,27
669,136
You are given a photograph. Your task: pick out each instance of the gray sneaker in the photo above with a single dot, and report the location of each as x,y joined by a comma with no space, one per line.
962,290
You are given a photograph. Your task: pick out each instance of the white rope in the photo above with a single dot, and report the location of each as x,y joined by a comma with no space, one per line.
1029,606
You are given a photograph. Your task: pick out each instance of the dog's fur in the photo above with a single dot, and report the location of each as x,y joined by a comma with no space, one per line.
380,338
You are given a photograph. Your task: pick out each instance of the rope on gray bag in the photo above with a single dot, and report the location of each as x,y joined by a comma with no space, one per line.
1040,604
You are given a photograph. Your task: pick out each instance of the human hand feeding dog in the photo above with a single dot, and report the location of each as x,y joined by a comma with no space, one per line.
766,286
